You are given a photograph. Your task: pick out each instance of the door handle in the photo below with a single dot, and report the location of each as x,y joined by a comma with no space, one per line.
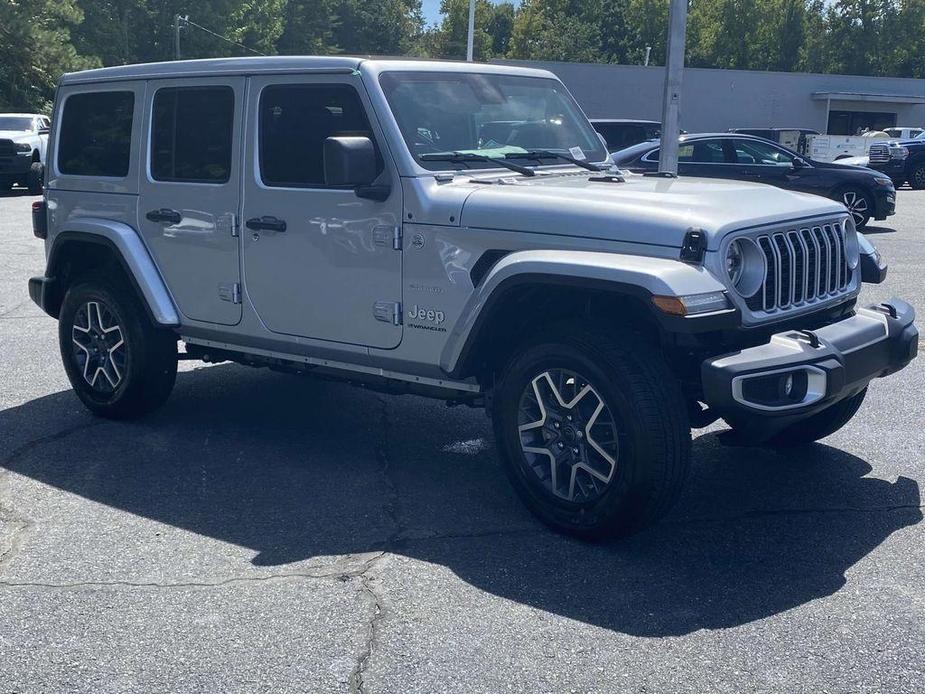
165,215
266,223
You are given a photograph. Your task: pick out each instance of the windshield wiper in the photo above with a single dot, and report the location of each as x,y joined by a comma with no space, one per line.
463,157
540,154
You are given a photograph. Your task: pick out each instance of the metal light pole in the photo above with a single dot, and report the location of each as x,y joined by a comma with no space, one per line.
674,69
471,34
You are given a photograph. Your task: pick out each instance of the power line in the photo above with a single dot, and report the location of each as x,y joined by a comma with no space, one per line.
186,21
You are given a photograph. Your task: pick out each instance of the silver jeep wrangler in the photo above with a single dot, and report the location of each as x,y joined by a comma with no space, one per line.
455,231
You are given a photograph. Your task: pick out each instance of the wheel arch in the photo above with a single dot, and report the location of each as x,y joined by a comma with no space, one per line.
91,244
555,285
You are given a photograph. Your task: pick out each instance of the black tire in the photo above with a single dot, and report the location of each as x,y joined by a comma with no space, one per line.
132,379
820,425
649,418
859,203
35,178
917,177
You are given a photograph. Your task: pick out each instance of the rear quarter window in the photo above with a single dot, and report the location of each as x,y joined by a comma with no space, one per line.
96,134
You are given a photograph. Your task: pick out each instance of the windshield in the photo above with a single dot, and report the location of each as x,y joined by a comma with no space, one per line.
492,116
19,123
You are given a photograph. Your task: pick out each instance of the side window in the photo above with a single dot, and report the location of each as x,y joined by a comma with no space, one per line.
294,122
191,134
752,152
96,134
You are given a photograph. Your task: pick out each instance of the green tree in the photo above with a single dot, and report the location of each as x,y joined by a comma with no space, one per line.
567,30
35,42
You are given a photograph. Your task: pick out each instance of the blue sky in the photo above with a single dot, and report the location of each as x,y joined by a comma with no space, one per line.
432,9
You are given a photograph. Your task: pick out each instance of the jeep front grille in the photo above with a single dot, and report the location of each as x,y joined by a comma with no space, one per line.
802,267
879,154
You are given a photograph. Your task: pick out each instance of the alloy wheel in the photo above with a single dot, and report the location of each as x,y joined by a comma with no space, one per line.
568,435
857,206
918,177
98,346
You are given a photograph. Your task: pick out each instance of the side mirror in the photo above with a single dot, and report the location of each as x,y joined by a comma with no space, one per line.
44,131
798,163
351,161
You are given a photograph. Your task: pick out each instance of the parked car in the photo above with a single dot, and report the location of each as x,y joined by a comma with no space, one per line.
620,133
796,139
23,139
902,161
344,218
904,133
866,193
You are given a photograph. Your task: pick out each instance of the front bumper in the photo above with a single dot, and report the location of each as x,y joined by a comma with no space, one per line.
884,203
894,168
764,389
15,165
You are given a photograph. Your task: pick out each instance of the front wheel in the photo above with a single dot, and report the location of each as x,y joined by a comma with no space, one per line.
917,178
593,432
120,365
859,204
35,178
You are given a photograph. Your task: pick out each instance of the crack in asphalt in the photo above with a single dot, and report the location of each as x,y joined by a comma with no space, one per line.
391,508
339,574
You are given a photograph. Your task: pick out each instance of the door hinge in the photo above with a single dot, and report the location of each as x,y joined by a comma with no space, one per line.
228,223
384,234
388,312
230,292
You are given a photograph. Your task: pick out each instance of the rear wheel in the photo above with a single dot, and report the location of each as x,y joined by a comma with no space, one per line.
120,365
593,432
859,204
917,179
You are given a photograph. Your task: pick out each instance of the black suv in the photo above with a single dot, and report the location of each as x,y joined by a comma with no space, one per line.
867,194
902,161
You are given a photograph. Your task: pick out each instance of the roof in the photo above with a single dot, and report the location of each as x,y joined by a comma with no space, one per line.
638,121
283,64
867,96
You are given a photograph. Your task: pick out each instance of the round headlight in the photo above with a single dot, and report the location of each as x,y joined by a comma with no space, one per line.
744,264
852,249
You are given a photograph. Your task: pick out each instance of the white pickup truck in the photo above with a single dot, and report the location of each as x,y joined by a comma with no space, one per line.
23,140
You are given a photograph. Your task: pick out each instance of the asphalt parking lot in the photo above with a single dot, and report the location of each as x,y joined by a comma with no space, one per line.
267,533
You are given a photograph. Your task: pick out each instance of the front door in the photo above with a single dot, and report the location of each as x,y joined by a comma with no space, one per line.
190,190
764,163
319,262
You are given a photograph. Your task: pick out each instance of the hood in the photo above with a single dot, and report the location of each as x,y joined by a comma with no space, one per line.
644,209
14,134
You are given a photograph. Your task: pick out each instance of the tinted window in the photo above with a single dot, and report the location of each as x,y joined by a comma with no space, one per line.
622,135
760,153
191,134
295,120
96,134
702,152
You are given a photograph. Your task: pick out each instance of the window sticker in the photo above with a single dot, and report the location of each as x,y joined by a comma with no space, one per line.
577,152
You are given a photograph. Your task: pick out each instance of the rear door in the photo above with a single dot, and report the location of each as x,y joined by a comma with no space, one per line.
705,158
319,261
190,189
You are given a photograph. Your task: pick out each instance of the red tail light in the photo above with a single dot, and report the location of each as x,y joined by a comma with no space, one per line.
39,219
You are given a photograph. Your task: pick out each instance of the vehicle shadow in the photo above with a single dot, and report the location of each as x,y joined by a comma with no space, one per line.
296,468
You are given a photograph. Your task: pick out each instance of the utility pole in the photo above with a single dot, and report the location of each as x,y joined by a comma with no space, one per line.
674,70
177,19
471,34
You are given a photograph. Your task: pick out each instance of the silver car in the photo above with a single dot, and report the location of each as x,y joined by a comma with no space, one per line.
455,231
